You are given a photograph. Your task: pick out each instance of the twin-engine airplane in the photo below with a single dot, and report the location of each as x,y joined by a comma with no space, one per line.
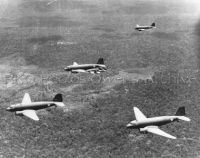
28,108
150,125
142,28
87,68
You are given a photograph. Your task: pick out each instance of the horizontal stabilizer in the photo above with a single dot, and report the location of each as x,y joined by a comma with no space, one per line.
184,118
60,104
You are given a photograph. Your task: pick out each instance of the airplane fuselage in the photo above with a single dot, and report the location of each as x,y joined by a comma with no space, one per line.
31,106
86,67
144,27
154,121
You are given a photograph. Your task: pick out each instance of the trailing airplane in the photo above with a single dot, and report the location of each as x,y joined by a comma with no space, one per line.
87,68
142,28
150,125
51,2
28,108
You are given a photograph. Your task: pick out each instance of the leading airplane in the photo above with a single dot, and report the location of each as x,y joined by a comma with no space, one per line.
142,28
28,108
152,124
87,68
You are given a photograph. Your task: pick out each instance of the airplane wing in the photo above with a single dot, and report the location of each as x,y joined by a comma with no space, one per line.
26,99
94,70
78,70
31,114
138,114
156,130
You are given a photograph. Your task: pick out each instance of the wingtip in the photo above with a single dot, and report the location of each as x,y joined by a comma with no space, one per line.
135,108
188,119
173,137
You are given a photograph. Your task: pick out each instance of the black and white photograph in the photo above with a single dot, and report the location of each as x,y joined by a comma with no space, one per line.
99,78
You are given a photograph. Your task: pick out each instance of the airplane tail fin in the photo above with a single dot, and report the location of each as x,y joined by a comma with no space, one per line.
180,111
181,114
153,24
100,61
58,98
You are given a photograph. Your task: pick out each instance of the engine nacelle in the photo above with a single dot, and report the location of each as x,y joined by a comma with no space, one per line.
143,130
20,113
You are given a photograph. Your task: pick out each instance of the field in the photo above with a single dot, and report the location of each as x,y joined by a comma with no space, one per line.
155,70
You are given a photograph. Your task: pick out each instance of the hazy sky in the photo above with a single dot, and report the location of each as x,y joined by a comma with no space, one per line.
96,12
189,5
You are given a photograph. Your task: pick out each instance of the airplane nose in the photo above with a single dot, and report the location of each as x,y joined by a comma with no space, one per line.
8,108
66,68
129,125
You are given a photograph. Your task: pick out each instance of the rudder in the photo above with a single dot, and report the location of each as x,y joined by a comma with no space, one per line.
180,111
58,98
100,61
153,24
